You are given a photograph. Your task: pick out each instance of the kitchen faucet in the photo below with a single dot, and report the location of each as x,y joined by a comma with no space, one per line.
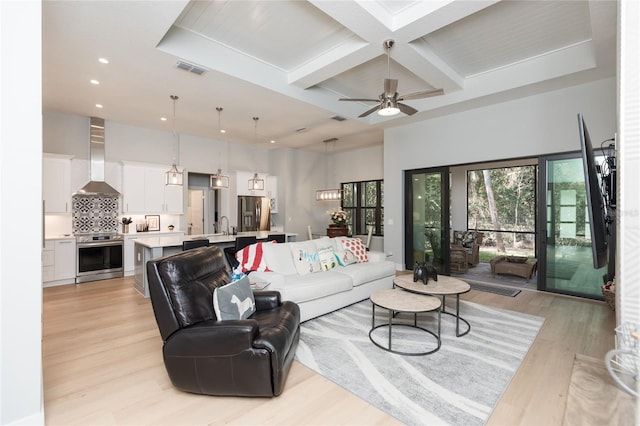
220,225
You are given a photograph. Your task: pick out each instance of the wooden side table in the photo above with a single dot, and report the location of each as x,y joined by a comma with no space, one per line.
337,231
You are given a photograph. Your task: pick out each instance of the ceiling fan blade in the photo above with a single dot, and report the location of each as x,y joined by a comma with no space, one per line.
390,87
407,109
359,100
423,94
369,111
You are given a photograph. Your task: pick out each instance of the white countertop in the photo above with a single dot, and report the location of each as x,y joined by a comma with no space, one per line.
174,241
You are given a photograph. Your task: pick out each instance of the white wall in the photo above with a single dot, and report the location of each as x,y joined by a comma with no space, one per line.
20,214
529,126
627,266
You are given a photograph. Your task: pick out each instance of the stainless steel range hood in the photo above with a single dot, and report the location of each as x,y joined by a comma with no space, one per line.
96,184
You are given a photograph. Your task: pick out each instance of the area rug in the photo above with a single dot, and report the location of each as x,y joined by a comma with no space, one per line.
460,384
504,291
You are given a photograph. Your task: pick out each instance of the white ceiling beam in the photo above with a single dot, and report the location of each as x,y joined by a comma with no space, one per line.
424,63
370,21
339,60
192,47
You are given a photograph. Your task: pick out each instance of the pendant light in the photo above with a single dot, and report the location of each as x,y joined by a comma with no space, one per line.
218,180
256,184
174,176
328,194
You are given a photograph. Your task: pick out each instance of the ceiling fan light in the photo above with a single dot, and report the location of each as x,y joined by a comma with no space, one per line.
388,108
388,111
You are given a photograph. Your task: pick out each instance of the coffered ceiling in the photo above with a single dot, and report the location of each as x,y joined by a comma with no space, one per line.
288,62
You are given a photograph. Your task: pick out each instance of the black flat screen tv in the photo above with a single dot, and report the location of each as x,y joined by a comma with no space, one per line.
595,201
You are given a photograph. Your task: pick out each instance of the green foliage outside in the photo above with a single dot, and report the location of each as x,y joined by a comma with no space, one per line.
503,200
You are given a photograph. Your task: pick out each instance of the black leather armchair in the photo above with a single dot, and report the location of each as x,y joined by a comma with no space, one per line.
202,355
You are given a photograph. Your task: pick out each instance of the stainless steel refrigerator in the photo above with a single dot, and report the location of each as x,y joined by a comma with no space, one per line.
253,214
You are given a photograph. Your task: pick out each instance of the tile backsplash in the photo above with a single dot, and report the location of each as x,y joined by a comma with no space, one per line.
94,214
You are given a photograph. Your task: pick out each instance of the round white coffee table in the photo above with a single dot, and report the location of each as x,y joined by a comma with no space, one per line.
398,301
445,286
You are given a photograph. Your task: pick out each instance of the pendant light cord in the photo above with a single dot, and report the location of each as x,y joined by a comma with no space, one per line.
175,134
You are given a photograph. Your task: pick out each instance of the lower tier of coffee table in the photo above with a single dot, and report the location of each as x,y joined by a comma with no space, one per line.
400,301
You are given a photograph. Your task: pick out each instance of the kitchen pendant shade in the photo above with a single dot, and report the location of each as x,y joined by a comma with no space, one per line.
219,181
329,195
256,184
173,176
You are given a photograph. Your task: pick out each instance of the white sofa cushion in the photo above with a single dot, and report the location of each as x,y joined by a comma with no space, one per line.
361,273
279,259
314,286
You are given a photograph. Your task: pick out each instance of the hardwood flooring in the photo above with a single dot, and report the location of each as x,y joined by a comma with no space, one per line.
103,365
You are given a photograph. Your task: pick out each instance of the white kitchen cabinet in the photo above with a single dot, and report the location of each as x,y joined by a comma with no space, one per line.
133,188
65,259
59,262
48,261
145,192
56,183
159,197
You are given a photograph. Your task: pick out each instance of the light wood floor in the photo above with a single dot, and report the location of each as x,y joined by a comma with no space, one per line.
103,365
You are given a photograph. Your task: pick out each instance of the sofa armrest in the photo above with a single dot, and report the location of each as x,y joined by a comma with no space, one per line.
213,338
266,300
376,256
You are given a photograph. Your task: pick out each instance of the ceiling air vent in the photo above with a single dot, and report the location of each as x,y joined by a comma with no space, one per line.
191,67
338,118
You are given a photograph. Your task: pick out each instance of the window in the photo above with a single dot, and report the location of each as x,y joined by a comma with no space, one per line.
362,201
501,202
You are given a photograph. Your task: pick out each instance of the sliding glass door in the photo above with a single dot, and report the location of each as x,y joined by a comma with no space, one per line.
427,217
565,243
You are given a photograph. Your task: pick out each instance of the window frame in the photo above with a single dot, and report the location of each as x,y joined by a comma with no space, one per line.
356,213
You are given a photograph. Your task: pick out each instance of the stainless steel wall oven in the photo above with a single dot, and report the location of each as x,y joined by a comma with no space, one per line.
99,257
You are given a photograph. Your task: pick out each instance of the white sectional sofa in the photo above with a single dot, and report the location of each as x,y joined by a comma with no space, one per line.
323,291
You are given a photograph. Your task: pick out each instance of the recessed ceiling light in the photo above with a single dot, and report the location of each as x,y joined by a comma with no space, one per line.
163,118
98,105
103,60
223,131
94,82
272,141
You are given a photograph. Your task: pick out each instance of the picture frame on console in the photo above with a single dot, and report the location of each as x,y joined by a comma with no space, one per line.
153,222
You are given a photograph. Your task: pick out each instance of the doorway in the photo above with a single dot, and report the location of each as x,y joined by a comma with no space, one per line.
565,245
203,205
427,226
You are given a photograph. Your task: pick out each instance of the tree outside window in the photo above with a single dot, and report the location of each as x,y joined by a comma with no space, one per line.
363,203
501,203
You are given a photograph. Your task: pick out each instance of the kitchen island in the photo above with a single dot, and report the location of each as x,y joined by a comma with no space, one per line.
149,248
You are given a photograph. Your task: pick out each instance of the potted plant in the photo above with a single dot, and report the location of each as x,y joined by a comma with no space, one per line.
338,218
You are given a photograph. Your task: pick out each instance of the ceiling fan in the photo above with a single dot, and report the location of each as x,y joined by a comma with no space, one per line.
389,101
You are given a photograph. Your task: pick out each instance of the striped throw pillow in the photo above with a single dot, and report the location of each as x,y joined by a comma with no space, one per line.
251,258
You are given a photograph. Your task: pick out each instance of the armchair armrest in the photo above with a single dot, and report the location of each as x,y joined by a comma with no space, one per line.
266,300
212,338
